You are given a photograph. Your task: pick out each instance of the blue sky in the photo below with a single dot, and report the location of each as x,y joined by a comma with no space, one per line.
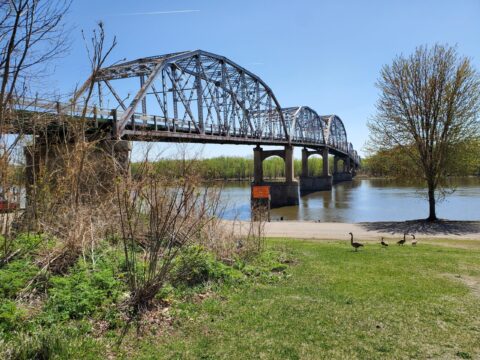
324,54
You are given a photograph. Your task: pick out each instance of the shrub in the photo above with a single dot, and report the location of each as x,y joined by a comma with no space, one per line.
196,266
29,242
23,244
269,265
10,315
15,276
83,292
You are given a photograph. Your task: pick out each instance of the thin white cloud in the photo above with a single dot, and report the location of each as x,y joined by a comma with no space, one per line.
157,13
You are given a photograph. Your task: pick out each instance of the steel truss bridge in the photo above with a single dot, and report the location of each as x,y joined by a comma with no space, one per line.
197,96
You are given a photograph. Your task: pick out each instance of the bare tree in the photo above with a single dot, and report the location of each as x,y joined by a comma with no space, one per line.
31,34
429,103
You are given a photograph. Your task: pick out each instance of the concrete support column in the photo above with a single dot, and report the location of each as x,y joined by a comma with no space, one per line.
257,165
344,174
335,164
304,162
349,168
47,162
281,193
326,169
118,153
309,184
289,171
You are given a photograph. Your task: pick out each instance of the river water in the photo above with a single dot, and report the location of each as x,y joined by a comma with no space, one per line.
364,200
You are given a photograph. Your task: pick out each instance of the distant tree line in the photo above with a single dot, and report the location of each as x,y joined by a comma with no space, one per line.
233,168
396,163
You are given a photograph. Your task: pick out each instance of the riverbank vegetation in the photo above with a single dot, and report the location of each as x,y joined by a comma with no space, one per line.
292,301
83,311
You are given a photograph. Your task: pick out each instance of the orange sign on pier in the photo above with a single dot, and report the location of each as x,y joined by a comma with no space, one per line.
261,192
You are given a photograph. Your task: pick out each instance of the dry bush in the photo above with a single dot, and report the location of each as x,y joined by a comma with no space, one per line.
71,194
10,193
255,239
158,217
226,239
70,167
220,239
231,239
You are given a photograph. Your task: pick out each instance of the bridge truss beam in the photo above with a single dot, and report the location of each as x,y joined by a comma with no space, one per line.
196,96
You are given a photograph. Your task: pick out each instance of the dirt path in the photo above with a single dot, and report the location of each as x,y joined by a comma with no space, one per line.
368,231
473,283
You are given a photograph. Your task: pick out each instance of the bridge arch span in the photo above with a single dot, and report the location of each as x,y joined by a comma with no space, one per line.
196,91
336,135
305,125
198,96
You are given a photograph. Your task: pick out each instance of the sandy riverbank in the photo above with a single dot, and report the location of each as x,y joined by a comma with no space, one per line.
461,230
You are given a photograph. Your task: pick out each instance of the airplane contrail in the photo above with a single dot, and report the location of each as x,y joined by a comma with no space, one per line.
158,12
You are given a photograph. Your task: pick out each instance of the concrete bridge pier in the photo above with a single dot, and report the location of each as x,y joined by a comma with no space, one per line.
281,193
350,167
48,162
354,170
345,174
309,184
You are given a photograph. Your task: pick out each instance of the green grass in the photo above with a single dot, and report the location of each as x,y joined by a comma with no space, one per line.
329,303
377,303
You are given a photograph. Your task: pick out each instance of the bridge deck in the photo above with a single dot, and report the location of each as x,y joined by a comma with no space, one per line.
155,129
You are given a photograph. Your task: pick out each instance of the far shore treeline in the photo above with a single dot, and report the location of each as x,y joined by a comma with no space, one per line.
386,163
234,168
396,163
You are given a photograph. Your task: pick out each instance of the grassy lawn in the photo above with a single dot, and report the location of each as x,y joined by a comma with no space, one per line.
400,302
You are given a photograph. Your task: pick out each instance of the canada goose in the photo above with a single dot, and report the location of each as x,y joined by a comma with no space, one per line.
414,241
401,242
384,243
356,245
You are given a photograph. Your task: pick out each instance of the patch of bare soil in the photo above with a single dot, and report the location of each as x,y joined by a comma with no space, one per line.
473,283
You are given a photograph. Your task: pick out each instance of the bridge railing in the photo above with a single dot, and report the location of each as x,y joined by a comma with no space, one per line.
154,123
61,108
139,121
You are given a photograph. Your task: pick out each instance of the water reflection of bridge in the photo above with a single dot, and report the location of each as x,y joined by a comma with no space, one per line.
200,97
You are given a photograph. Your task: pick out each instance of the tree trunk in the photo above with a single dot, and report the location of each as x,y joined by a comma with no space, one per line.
431,201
